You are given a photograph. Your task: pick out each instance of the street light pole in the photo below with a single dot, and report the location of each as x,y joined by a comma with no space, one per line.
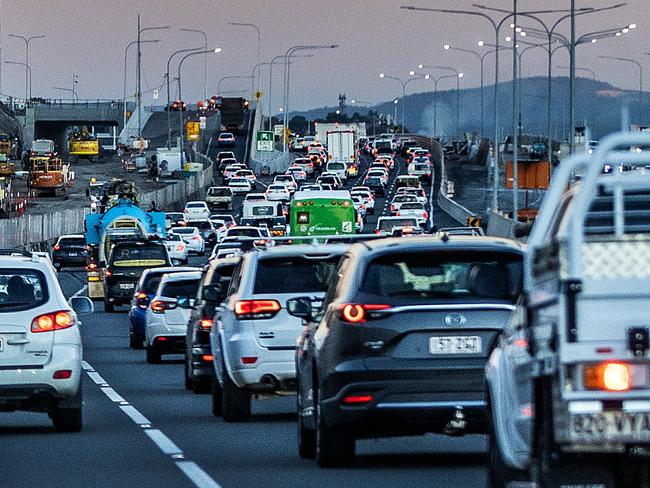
75,80
435,100
168,108
447,47
638,65
27,68
273,61
180,96
205,60
259,46
224,78
28,78
126,51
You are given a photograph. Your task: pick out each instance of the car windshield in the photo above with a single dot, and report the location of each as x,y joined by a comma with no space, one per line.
412,206
178,289
72,242
22,289
124,256
199,205
443,275
184,230
293,275
219,192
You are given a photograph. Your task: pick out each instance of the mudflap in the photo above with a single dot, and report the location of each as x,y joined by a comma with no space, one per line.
580,471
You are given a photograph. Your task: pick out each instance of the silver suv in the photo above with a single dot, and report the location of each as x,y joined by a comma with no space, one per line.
40,343
254,337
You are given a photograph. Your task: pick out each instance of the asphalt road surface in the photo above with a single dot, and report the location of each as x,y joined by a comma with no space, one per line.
143,429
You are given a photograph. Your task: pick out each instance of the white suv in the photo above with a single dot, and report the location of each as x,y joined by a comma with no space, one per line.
40,343
254,337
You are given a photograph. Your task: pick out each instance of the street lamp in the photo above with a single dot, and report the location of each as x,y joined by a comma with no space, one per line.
28,71
458,76
638,65
205,59
271,64
259,45
75,81
287,75
404,83
180,96
60,88
224,78
169,115
141,30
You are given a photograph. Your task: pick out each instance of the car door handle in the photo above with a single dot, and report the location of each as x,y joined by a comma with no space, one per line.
18,342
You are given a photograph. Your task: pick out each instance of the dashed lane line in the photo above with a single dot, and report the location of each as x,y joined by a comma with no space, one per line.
198,477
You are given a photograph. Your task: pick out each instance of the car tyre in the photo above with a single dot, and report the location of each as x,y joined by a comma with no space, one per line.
306,437
500,475
109,307
236,402
217,399
334,448
202,385
67,419
136,341
188,378
153,355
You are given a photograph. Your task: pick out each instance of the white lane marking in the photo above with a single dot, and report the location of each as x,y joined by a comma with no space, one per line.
96,377
164,443
112,394
196,475
135,415
83,289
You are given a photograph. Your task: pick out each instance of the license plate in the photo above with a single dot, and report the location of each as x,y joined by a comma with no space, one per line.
2,344
613,426
455,345
127,286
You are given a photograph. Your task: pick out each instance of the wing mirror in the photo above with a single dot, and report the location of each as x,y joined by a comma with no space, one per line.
82,305
213,293
300,307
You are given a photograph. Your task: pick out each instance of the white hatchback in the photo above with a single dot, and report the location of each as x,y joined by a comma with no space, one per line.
40,343
240,185
168,314
192,238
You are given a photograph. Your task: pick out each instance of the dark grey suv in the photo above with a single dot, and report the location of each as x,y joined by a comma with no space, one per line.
400,344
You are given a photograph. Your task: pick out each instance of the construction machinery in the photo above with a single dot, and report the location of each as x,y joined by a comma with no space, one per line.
47,172
83,145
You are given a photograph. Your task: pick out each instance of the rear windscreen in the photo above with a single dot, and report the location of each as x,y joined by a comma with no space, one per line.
138,256
244,233
151,283
294,275
219,192
387,225
177,289
72,241
457,275
22,289
383,146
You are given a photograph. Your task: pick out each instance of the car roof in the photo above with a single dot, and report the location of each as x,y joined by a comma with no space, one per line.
181,275
322,194
302,249
433,243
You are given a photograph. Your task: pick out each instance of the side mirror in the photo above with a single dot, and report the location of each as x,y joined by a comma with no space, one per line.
213,293
82,305
300,307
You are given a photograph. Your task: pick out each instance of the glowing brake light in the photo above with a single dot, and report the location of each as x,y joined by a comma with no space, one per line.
356,399
355,313
52,321
607,376
256,309
160,306
206,324
57,248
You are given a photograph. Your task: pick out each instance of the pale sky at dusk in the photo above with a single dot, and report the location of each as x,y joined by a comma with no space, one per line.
374,36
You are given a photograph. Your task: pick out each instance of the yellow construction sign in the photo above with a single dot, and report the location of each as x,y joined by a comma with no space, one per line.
193,130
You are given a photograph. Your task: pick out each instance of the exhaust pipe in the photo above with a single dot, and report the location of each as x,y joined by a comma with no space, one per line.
457,425
270,381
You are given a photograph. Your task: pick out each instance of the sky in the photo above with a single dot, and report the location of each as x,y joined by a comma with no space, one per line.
88,37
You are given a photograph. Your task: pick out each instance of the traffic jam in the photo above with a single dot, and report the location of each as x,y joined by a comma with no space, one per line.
334,284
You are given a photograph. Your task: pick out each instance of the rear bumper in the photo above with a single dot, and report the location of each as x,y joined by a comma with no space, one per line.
200,367
69,260
168,344
402,404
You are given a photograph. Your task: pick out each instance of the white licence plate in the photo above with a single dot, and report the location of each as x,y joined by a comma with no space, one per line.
127,286
610,426
455,345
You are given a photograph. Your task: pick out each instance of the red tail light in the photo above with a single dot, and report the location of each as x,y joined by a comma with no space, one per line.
142,300
160,306
180,247
108,273
57,248
208,358
393,208
356,399
426,215
256,309
356,313
206,324
248,359
62,374
52,321
398,214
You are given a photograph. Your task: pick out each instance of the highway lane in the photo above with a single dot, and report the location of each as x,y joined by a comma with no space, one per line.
113,450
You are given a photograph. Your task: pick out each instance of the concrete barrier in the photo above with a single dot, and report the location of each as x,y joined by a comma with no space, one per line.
500,226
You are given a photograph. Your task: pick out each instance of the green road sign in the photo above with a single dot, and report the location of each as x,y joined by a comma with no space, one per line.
265,141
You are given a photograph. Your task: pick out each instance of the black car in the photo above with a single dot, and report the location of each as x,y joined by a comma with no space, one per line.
70,251
400,344
199,372
376,185
126,262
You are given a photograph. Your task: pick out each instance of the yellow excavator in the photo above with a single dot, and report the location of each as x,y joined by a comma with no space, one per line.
6,149
83,145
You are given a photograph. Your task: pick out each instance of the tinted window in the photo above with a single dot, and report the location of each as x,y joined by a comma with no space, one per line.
151,283
202,225
294,275
244,232
411,206
72,241
184,230
388,224
196,205
138,256
462,275
22,289
175,289
219,192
